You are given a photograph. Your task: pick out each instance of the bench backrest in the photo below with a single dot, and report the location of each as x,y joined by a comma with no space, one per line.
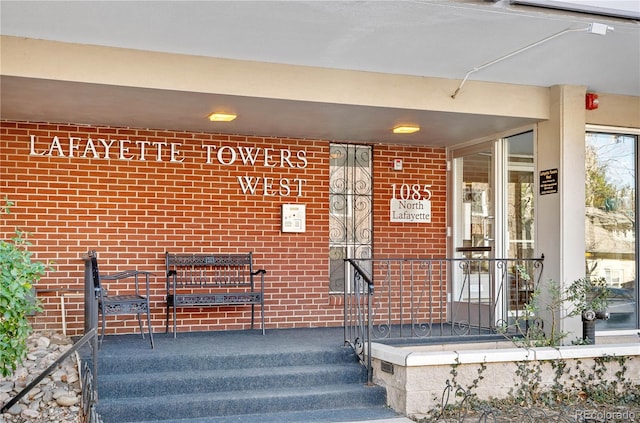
209,270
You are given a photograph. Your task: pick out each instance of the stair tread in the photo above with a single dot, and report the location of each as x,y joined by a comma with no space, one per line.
244,395
145,385
247,371
229,404
332,415
179,362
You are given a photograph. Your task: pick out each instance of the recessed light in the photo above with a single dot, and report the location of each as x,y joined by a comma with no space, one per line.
222,117
406,129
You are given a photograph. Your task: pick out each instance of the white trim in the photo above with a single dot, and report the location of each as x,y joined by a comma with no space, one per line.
493,137
621,332
612,129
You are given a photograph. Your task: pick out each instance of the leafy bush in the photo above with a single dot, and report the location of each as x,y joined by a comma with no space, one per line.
17,273
588,294
583,294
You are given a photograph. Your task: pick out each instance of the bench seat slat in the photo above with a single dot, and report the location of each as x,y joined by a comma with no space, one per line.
198,300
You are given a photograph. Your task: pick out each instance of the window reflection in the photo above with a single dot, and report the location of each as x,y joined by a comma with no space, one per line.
610,217
520,196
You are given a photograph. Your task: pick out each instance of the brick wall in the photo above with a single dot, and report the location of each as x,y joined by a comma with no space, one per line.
135,200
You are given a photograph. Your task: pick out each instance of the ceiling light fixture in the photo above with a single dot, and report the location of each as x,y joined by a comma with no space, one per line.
406,129
222,117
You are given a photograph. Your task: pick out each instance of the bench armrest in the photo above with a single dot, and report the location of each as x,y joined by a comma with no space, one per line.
129,274
124,274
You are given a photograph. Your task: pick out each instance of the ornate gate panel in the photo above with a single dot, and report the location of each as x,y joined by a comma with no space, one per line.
350,209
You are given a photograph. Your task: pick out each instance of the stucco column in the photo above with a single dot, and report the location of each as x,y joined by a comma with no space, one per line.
560,216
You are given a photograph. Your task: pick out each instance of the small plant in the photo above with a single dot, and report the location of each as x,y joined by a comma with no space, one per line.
585,294
529,331
588,294
457,400
17,273
533,397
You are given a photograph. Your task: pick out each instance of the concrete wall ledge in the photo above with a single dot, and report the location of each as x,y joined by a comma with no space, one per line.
409,357
415,377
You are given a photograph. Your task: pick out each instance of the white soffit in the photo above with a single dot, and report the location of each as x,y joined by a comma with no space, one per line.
629,9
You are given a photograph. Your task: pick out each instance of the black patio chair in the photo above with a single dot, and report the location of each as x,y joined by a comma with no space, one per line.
132,303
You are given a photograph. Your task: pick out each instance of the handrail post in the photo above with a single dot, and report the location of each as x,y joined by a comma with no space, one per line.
364,330
89,296
91,318
344,303
369,332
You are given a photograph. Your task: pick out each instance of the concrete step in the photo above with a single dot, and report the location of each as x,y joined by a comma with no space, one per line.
149,384
264,402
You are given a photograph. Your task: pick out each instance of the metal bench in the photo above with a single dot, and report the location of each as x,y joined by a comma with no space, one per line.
136,302
212,280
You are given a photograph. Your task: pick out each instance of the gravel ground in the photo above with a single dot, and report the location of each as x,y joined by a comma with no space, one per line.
56,398
567,414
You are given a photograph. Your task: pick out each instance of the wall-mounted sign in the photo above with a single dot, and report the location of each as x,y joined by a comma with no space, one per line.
212,155
293,217
411,211
549,181
410,203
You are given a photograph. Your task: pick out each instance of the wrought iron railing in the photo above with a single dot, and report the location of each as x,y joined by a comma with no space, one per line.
88,370
427,298
358,299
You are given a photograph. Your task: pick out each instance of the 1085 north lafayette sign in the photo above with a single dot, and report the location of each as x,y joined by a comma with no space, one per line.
171,152
410,203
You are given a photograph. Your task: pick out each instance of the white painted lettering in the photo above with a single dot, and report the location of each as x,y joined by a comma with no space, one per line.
285,157
267,158
142,145
302,156
225,155
72,145
175,153
33,148
106,147
209,148
250,186
268,187
90,147
248,156
124,150
285,189
55,145
232,154
300,182
158,145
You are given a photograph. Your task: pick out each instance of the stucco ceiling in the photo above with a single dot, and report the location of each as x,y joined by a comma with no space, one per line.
442,39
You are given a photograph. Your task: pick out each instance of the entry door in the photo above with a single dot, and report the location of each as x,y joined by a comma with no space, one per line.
493,217
472,289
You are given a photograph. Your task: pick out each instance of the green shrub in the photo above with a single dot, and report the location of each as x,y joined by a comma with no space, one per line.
17,273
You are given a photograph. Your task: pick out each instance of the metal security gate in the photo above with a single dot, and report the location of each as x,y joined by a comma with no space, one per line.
350,209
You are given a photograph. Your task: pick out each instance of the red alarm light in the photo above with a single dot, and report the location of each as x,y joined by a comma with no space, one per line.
591,101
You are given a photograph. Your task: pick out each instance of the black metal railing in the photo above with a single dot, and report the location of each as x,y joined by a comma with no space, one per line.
358,297
89,369
426,298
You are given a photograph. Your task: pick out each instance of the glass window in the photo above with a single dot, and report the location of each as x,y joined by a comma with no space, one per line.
610,222
520,196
